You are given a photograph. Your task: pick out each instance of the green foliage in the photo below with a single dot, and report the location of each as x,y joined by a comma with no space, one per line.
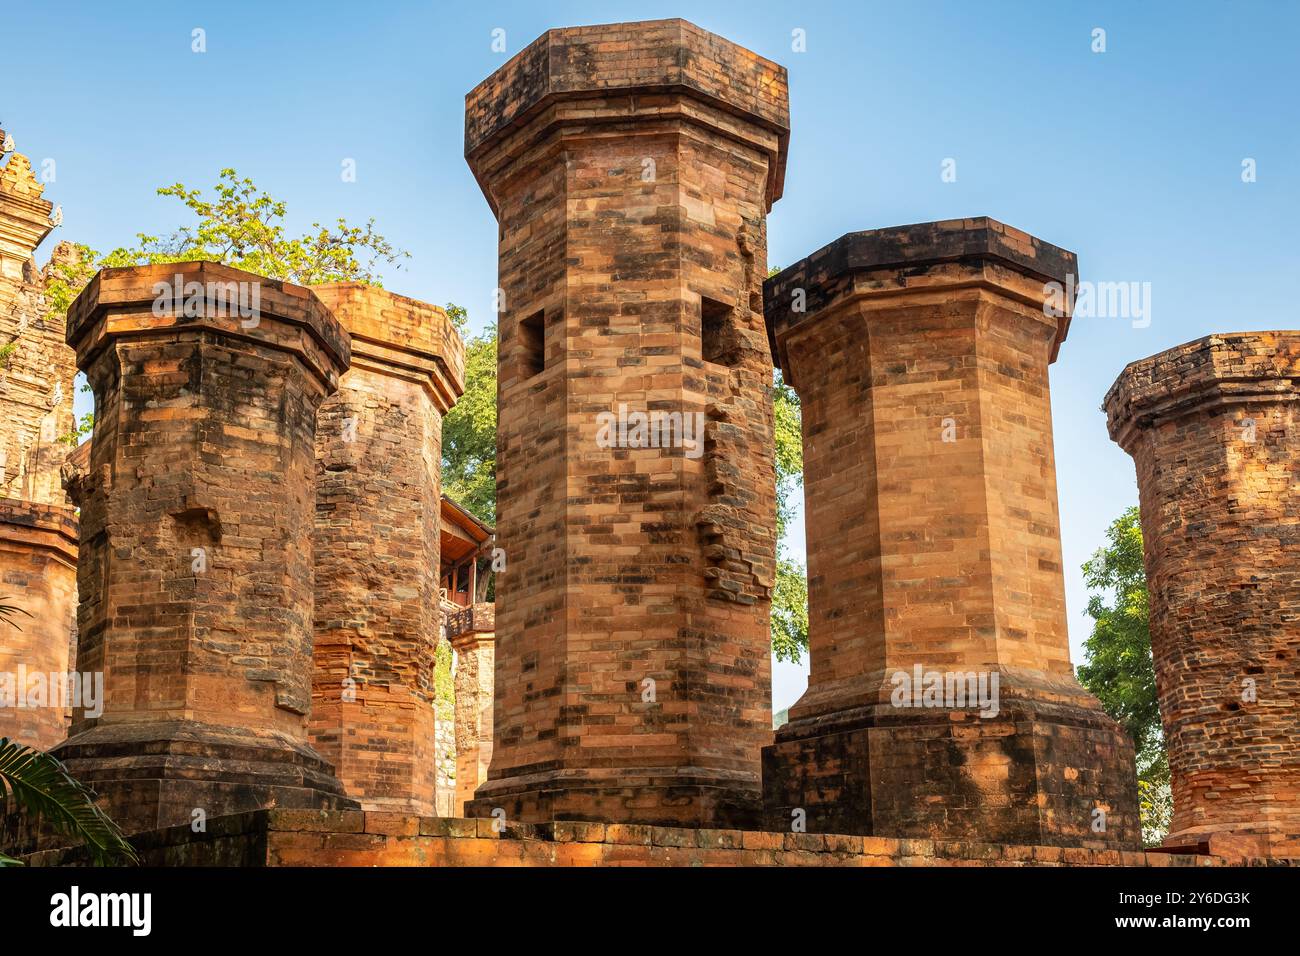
1118,667
34,781
459,317
790,595
469,432
66,278
243,227
1155,801
444,687
789,611
789,449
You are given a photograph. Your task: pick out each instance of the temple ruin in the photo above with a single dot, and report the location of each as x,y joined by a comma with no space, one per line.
920,355
263,568
1212,427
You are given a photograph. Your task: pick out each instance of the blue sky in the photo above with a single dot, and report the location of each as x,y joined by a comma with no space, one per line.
1131,157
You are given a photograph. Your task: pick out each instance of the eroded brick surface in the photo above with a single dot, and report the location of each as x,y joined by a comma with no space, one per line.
920,354
195,574
37,367
631,168
377,523
1214,429
38,527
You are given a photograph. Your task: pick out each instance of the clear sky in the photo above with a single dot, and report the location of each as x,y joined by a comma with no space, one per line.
1131,157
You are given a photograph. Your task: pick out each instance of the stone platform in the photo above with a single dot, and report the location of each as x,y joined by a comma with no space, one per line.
355,838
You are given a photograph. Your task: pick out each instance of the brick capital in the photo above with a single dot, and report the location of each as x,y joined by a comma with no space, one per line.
1226,369
924,257
621,72
40,527
123,303
400,337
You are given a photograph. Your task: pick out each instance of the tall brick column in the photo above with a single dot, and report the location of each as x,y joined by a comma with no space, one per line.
920,354
378,519
472,633
1214,428
196,519
38,571
631,167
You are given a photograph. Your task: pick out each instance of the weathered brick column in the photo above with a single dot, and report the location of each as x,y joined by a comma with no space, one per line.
631,168
378,449
38,568
920,354
1214,428
38,528
472,633
195,573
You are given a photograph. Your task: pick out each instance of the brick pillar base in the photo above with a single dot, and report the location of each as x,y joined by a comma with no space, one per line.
921,356
38,568
1030,775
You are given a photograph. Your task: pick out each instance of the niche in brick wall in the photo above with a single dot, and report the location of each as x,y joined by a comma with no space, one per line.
717,332
532,345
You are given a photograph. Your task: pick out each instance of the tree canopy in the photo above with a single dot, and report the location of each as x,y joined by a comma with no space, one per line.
1118,667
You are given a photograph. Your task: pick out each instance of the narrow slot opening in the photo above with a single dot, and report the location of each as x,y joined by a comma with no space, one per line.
532,344
715,326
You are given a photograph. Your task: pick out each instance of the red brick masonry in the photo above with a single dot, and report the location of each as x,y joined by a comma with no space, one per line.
354,838
921,356
631,168
1214,429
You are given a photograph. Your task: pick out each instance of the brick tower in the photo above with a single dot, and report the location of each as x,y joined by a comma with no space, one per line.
197,508
38,526
631,168
920,354
378,522
1214,428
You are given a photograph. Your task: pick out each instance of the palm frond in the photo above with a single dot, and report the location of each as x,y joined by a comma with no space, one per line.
41,784
9,611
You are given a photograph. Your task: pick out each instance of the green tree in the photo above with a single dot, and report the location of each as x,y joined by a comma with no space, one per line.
242,227
469,432
790,595
1118,667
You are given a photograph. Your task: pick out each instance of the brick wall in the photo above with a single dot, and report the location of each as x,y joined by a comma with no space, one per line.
921,354
1214,429
38,573
293,838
